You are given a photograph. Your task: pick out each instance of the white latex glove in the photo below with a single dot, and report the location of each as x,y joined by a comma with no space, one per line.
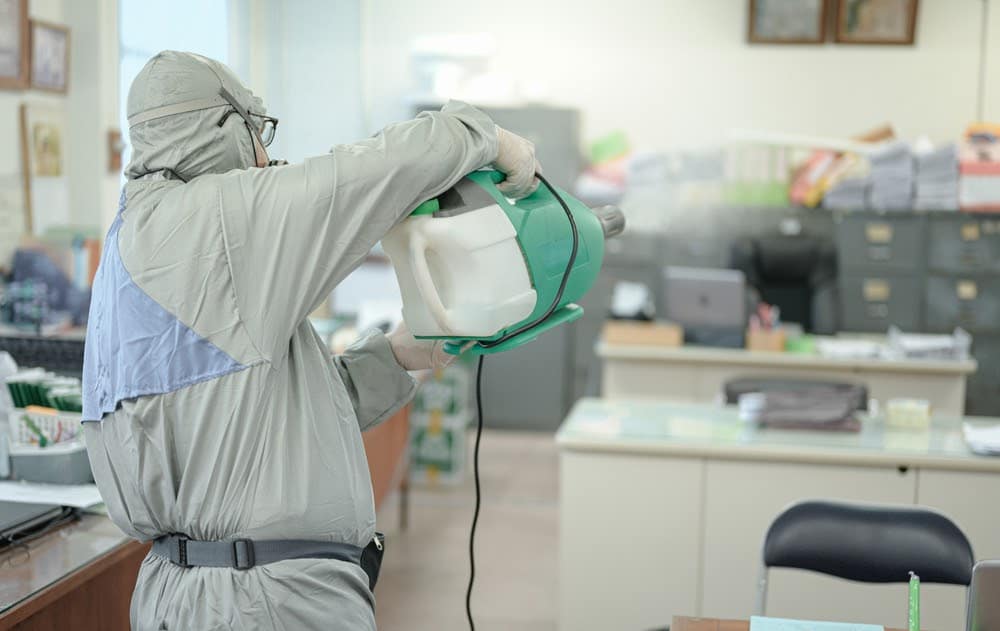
414,354
516,160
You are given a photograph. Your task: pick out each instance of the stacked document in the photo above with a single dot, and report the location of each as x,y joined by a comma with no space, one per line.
848,194
937,178
982,439
812,408
847,348
929,346
892,175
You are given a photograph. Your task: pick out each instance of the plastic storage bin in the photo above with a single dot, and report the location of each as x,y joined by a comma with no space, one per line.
47,446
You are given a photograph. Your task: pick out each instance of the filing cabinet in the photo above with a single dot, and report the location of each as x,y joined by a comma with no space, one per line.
868,242
873,302
982,394
963,244
970,302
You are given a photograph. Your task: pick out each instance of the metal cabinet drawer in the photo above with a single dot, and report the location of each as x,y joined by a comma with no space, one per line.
880,243
873,303
971,303
963,244
982,393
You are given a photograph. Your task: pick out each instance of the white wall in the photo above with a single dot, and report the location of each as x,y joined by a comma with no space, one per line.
680,73
91,108
304,61
10,102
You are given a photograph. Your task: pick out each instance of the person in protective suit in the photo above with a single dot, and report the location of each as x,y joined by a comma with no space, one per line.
217,422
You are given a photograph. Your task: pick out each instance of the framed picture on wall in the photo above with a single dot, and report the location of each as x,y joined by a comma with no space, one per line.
891,22
43,166
49,56
14,44
787,21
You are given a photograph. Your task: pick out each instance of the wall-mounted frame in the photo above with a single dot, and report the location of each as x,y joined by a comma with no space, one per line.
49,56
787,21
887,22
14,51
43,168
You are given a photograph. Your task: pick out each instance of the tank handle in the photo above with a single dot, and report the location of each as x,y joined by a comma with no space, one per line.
425,282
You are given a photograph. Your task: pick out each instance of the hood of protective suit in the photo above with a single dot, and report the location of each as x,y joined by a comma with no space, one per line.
190,143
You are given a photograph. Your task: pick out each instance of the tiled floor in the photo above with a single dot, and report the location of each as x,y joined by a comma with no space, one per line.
424,575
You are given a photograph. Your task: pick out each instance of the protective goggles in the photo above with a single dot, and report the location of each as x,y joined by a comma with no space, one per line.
263,126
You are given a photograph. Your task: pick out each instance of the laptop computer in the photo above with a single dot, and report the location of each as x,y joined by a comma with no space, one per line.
983,611
17,518
709,303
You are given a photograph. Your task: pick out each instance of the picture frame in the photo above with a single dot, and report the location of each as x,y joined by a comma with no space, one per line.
14,47
787,21
43,131
878,22
49,57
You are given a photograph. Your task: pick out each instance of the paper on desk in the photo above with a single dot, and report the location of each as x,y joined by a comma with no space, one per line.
982,439
75,495
758,623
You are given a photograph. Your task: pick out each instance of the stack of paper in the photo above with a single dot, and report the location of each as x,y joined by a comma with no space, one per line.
848,194
928,346
892,174
937,178
846,348
982,439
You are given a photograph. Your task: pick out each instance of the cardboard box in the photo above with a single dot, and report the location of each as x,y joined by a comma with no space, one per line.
631,332
772,341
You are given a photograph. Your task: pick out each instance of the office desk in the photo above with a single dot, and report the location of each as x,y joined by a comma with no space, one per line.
83,572
697,374
664,506
682,623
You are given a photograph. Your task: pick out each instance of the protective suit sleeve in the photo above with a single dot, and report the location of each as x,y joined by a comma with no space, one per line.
377,384
294,232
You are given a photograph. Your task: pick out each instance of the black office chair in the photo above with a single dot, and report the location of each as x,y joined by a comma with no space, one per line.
795,272
867,543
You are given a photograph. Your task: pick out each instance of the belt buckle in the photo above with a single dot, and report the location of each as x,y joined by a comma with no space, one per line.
181,551
243,554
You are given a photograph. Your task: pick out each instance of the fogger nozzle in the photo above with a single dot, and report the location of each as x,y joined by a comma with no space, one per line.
612,220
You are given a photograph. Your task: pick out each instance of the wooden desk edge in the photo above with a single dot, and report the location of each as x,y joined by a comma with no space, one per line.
52,593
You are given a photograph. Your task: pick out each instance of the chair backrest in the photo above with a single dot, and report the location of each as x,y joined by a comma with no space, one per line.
869,543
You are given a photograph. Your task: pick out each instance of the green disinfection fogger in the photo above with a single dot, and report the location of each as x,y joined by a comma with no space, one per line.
474,266
489,274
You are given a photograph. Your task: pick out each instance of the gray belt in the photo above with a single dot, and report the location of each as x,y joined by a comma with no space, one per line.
243,554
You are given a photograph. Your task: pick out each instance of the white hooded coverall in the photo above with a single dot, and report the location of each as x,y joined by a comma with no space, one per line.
212,408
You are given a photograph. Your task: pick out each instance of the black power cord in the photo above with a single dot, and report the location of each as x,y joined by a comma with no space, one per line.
479,390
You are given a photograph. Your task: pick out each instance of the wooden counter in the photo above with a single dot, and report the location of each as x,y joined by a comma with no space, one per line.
82,572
